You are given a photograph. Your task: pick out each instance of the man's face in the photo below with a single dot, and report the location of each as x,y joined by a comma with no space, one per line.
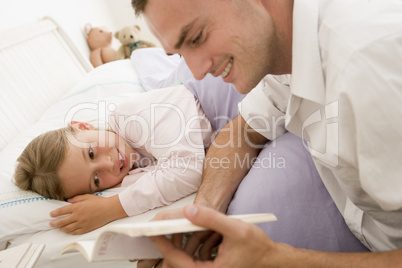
233,39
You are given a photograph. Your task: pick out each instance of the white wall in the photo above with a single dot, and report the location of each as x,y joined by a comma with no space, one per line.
72,15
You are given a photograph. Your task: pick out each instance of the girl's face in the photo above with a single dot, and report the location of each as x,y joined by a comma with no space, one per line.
95,160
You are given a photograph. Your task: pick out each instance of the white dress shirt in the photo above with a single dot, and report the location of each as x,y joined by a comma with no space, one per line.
344,99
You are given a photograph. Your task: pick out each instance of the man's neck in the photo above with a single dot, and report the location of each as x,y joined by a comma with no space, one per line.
281,12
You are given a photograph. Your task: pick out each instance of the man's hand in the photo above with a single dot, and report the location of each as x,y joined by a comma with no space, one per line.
86,213
243,244
204,241
246,245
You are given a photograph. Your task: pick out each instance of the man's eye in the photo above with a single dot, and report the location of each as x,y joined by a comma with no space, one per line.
96,180
91,153
197,39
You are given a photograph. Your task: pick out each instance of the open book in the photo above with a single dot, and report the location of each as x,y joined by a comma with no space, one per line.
130,241
25,255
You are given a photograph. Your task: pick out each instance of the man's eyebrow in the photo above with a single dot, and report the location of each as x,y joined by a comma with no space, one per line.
183,34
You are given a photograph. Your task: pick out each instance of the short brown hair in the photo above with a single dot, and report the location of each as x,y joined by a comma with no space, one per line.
38,165
139,6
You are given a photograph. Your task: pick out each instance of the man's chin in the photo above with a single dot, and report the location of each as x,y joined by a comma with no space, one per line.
242,89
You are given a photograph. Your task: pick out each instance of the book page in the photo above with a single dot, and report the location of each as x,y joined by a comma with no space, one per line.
122,247
113,246
165,227
11,257
32,255
130,241
85,247
25,255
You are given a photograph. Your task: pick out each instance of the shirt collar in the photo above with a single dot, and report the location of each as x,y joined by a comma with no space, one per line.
307,73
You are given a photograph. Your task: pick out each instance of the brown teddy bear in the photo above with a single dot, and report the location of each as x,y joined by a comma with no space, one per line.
129,37
100,43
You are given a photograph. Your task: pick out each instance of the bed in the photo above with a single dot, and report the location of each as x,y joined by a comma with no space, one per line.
58,84
46,82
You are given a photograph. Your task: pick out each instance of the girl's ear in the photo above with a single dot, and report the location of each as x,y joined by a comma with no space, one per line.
77,125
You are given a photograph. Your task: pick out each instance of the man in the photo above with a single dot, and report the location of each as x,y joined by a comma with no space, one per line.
343,99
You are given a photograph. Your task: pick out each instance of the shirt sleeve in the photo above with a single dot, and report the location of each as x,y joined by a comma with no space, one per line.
167,127
265,106
372,91
161,184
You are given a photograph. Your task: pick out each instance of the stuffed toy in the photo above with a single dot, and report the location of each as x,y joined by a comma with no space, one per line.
100,43
130,40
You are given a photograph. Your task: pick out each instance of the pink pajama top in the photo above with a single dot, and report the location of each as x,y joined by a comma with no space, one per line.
169,131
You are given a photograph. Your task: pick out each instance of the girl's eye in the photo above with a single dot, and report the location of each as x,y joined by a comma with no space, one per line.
91,153
96,181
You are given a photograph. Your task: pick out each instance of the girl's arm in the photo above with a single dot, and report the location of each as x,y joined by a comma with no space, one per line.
172,178
86,213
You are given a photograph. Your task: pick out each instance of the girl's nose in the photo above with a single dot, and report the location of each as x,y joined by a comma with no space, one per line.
106,163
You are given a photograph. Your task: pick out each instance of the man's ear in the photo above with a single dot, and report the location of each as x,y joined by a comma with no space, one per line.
77,125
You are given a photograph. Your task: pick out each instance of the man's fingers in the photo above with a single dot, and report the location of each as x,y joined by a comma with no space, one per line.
177,257
148,263
195,240
211,219
206,251
169,214
177,240
162,243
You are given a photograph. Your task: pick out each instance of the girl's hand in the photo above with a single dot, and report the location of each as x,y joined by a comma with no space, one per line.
87,213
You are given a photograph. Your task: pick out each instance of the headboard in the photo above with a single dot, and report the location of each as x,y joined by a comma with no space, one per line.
25,67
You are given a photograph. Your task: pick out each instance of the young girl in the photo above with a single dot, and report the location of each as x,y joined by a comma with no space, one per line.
156,151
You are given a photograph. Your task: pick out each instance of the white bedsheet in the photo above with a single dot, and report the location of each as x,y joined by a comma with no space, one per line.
24,216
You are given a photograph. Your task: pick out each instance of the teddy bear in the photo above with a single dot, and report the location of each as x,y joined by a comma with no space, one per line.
100,43
129,37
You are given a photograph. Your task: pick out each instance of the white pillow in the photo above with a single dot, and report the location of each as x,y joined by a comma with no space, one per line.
155,67
26,212
55,240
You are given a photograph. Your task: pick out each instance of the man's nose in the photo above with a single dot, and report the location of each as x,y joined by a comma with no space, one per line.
200,65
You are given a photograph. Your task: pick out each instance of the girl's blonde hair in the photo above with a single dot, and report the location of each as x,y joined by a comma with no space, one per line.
38,165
